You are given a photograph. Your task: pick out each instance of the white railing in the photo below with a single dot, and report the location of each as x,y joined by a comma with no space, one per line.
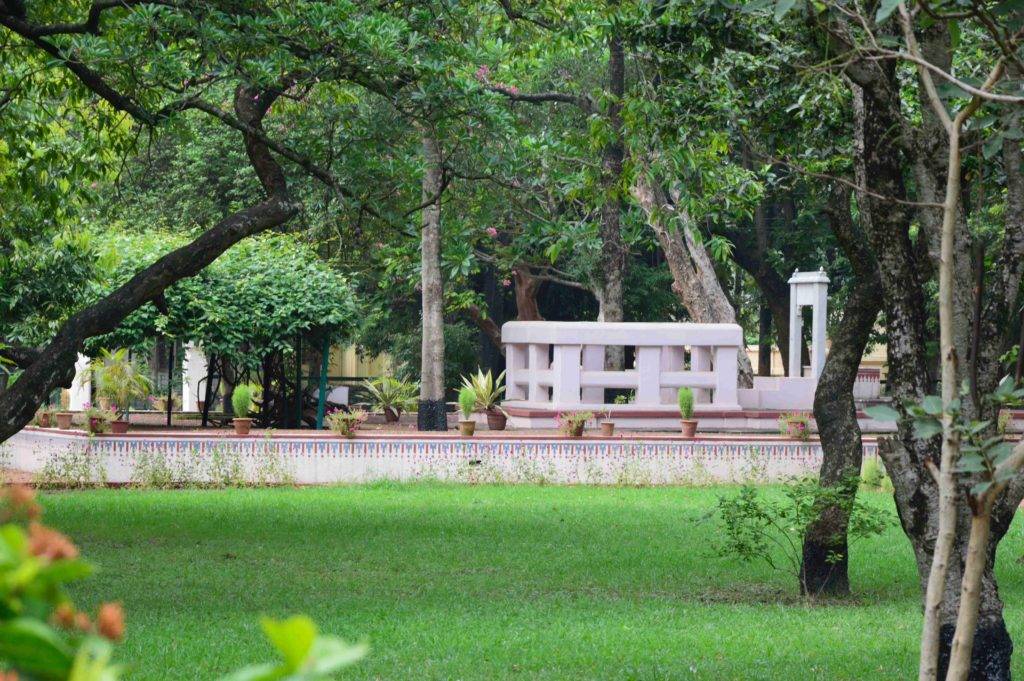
561,365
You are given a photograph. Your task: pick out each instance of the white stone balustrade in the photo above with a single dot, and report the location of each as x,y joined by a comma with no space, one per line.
560,365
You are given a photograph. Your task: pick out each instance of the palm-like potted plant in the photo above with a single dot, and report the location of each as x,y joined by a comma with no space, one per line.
119,382
689,424
488,392
392,396
242,403
467,403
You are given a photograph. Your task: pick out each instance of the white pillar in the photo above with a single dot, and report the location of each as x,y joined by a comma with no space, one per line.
727,376
700,360
808,288
515,364
796,323
673,357
648,375
593,360
538,361
565,376
193,370
81,387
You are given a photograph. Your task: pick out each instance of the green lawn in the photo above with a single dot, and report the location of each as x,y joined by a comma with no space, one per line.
461,582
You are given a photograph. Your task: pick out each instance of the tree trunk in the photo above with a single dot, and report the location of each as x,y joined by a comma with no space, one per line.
611,280
527,287
836,413
431,415
764,342
54,365
693,276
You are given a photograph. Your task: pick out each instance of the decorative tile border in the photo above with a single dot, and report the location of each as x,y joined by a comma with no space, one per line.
320,460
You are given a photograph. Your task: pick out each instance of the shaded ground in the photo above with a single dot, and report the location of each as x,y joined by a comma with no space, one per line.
486,582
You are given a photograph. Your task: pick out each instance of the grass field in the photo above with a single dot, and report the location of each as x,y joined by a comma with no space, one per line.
461,582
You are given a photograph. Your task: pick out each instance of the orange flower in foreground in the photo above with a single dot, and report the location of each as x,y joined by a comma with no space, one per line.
110,621
9,676
82,622
21,503
51,544
64,616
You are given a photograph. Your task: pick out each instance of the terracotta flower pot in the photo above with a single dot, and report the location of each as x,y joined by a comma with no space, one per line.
201,406
95,425
391,415
44,420
607,428
577,430
796,430
119,427
63,420
496,419
689,427
467,428
242,426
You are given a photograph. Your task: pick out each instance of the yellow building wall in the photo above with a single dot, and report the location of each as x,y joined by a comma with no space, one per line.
346,361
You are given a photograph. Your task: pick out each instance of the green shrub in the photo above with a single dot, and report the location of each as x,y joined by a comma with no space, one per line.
873,475
757,526
467,402
686,403
242,400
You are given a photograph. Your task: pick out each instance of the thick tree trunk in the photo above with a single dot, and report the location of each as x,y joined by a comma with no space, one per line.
53,366
610,282
693,276
431,415
526,287
836,413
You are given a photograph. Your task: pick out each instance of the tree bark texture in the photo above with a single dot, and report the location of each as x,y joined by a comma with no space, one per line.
432,413
611,279
693,275
825,550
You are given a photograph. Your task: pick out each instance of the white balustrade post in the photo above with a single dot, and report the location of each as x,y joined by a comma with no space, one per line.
648,370
565,370
820,312
700,360
673,358
537,362
726,377
796,323
80,393
193,371
593,360
515,364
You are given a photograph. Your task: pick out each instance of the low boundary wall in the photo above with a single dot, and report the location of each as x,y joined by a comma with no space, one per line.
319,459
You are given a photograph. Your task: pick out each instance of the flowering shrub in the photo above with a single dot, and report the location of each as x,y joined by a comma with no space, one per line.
43,635
98,419
571,423
346,423
795,425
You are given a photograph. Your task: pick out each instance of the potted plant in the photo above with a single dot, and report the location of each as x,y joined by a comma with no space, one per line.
686,420
607,425
97,419
467,403
44,417
571,423
242,404
488,393
63,420
346,423
118,382
795,425
392,396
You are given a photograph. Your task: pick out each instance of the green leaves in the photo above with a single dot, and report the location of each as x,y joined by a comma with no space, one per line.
885,10
34,648
882,412
306,655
